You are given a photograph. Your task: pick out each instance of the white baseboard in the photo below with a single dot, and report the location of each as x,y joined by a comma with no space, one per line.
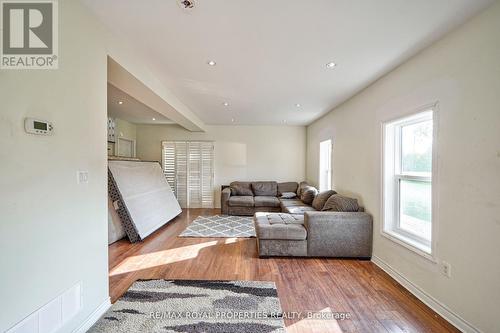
94,317
427,299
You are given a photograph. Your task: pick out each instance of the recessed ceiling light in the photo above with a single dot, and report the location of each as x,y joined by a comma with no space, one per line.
120,102
211,63
225,104
298,105
331,65
154,119
186,4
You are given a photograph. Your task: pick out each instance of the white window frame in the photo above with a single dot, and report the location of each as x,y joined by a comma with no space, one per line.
329,169
392,175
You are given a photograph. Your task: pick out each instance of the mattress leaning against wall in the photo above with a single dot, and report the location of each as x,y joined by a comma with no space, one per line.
115,226
142,196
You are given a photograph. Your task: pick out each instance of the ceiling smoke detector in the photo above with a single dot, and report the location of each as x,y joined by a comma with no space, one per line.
186,4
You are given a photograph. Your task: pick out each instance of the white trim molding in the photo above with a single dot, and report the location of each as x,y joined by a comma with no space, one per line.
427,299
94,316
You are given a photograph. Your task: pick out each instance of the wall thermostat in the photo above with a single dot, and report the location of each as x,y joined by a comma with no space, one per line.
37,126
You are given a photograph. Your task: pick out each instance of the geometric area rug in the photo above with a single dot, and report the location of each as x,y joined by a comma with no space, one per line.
224,226
189,306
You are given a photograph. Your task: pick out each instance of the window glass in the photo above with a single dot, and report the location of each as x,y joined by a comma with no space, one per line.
416,147
325,165
416,207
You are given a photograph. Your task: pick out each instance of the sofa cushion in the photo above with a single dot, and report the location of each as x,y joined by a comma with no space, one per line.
241,188
320,200
291,202
339,203
265,188
266,201
241,201
301,187
298,209
280,226
287,187
308,194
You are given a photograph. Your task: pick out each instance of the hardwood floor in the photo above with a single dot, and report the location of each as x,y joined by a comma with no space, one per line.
374,300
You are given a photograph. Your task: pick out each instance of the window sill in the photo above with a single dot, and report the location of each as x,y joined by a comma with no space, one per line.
410,244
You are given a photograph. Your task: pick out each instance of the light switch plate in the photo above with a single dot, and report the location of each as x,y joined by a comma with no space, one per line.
82,177
446,269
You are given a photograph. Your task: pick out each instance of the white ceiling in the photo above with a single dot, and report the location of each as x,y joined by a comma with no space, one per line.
131,109
271,54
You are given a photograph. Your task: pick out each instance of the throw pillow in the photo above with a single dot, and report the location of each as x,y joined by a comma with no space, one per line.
320,200
288,195
339,203
301,187
308,194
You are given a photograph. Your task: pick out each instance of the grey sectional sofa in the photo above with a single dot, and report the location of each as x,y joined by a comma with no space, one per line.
290,227
247,198
314,234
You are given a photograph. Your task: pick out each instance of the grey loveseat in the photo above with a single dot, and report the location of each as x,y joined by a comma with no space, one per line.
291,227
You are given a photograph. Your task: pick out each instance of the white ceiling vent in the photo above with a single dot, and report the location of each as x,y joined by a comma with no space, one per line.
186,4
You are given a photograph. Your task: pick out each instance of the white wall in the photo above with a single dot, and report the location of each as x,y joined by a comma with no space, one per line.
241,152
462,73
125,129
54,232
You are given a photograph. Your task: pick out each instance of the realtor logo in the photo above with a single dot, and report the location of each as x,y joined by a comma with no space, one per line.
29,34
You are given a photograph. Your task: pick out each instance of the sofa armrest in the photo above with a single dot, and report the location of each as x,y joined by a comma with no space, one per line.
339,234
224,198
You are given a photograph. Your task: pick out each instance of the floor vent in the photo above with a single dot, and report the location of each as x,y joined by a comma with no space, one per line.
53,315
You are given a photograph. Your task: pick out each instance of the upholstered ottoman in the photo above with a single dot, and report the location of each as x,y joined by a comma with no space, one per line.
280,234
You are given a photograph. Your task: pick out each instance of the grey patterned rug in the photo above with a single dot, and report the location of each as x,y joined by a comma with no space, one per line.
224,226
195,306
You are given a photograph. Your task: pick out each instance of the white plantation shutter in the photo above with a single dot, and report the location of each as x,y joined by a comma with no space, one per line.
169,164
188,167
181,175
207,174
194,181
